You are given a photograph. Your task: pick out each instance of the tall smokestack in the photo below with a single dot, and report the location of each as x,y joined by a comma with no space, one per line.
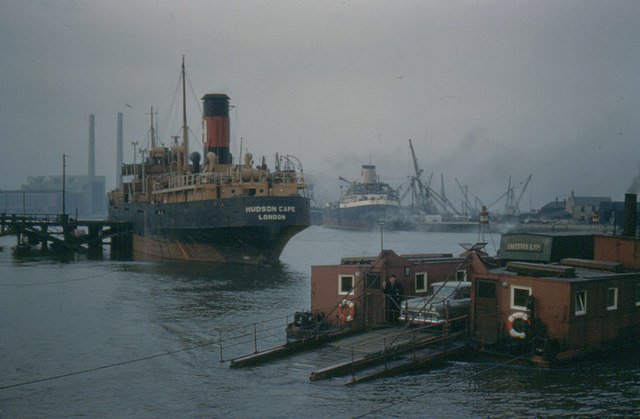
92,145
216,120
630,200
119,154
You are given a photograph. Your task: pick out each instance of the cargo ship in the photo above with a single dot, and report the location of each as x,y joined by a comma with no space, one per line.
365,204
184,207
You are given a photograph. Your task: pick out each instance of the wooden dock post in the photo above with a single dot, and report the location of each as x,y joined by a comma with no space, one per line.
95,241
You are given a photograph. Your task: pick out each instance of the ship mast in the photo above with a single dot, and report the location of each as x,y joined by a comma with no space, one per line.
185,129
152,132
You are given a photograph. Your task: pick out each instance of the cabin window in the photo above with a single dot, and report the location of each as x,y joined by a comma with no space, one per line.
519,297
486,289
421,282
612,299
581,303
461,275
638,295
345,285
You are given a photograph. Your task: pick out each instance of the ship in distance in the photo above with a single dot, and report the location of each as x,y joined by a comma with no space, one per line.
366,204
184,206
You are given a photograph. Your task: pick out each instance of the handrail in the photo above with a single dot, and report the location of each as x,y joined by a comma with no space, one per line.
30,217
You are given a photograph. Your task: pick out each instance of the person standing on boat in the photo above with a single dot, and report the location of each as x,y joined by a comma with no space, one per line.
394,292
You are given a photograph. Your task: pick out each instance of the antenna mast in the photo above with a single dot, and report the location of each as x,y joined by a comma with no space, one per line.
185,129
153,132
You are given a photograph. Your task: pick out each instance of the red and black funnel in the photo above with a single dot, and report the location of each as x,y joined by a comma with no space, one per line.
216,119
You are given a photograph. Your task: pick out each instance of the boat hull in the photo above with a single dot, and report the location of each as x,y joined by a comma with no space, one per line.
366,217
248,230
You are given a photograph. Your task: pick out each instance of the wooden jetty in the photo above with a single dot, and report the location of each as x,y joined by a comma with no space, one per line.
60,233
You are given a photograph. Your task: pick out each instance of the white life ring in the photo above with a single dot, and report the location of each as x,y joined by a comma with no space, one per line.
518,315
346,311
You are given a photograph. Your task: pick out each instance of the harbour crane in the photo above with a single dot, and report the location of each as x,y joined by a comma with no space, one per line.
421,192
465,193
512,203
512,206
425,196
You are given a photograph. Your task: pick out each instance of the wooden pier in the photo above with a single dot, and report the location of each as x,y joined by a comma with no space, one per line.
60,234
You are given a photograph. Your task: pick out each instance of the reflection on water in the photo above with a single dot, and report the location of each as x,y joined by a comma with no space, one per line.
60,318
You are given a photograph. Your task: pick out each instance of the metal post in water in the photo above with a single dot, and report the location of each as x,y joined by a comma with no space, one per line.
353,372
220,340
255,338
384,352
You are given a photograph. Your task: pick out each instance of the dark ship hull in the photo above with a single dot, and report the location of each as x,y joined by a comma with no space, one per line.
249,230
366,217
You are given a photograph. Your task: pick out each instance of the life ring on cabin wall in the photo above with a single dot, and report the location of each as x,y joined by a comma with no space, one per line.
518,331
346,311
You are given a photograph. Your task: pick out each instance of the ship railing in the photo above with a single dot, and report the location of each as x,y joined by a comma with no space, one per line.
237,341
30,218
191,179
290,169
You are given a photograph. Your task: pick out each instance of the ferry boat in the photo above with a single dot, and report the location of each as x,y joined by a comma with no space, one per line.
212,210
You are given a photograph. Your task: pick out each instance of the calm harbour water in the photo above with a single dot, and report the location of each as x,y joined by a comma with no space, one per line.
139,339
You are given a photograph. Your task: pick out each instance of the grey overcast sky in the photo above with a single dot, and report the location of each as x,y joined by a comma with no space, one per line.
485,89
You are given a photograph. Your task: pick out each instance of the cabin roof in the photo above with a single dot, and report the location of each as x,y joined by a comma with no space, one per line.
414,258
550,233
560,272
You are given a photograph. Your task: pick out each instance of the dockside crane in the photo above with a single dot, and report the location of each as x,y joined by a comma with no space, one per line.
512,203
446,204
421,192
350,182
465,193
516,203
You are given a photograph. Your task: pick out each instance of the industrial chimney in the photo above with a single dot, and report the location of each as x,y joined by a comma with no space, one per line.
119,154
630,202
92,145
216,121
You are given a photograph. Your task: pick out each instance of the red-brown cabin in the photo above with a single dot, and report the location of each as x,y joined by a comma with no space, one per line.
562,308
350,294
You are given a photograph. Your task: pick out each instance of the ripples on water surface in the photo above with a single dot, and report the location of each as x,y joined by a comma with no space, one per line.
58,319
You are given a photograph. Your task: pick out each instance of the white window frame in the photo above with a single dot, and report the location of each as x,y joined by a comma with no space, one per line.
464,275
584,306
426,285
353,284
511,301
614,306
